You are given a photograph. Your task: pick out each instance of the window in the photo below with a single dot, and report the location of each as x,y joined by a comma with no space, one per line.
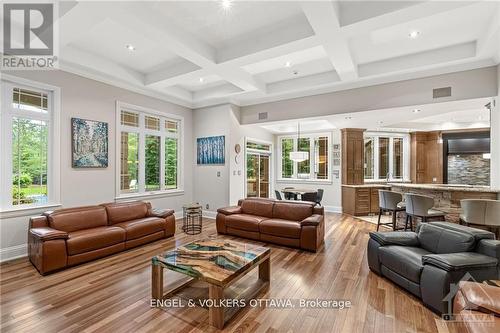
28,170
149,154
316,167
386,156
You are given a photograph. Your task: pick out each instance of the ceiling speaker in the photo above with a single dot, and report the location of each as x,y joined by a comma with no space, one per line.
262,115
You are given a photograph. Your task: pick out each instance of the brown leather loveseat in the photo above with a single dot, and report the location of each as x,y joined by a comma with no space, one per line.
70,236
295,224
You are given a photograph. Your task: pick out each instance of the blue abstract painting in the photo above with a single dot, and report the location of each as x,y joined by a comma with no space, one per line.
89,143
211,150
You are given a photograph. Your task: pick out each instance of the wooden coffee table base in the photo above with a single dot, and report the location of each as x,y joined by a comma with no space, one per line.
217,316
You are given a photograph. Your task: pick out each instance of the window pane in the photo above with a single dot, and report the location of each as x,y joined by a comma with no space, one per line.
171,126
304,168
321,147
152,163
369,157
130,119
397,163
259,146
29,100
170,163
29,161
286,162
152,123
383,162
252,174
129,175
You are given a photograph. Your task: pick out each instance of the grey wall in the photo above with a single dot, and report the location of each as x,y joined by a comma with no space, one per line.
89,99
465,85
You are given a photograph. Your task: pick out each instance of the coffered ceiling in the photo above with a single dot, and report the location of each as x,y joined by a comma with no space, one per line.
199,53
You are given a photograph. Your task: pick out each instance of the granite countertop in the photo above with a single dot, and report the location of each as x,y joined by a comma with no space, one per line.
368,185
447,187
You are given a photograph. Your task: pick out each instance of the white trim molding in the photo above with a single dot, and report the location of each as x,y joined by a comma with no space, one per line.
13,252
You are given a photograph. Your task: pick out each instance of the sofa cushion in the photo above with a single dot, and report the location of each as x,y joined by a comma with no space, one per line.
244,221
404,260
292,211
93,239
142,227
257,207
282,228
437,239
79,218
126,211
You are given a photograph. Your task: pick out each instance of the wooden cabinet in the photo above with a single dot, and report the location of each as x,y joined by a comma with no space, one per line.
352,156
426,162
360,200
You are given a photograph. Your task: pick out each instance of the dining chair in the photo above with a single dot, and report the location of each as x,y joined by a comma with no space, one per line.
389,201
309,196
481,213
278,195
288,195
319,196
421,206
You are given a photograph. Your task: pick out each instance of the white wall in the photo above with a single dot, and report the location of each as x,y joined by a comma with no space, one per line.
89,99
332,196
464,85
495,136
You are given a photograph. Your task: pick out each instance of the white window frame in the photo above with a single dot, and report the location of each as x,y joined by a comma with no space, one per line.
53,154
406,155
260,151
143,131
312,177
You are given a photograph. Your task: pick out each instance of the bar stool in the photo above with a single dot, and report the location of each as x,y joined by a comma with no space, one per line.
481,213
420,206
389,201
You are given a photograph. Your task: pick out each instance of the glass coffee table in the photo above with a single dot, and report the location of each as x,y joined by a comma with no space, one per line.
219,263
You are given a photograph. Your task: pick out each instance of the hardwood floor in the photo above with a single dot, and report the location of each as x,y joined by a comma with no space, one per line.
113,293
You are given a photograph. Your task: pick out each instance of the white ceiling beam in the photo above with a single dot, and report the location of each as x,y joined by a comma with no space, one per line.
324,20
77,21
182,43
411,13
174,74
489,43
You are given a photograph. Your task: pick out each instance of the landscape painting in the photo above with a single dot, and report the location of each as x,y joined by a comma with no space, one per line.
211,150
89,143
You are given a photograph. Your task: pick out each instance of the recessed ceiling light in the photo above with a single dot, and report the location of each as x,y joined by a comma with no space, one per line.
130,47
226,4
416,110
414,34
288,64
202,80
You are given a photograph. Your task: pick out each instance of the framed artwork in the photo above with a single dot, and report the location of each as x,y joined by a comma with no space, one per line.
89,148
211,150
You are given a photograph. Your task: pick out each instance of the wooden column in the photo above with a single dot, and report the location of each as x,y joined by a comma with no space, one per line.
352,156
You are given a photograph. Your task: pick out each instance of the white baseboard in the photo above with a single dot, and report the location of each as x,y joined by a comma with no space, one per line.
13,252
209,214
333,209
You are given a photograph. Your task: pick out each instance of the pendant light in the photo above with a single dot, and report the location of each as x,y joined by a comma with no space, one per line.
299,156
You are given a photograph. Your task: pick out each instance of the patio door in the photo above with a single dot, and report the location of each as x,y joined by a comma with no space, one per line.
258,175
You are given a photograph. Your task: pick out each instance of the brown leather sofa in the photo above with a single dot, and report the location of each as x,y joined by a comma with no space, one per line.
477,305
71,236
294,224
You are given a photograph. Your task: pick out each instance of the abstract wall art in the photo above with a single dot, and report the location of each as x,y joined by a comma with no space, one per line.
211,150
89,143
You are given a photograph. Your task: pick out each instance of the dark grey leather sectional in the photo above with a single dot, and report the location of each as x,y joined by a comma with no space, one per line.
427,262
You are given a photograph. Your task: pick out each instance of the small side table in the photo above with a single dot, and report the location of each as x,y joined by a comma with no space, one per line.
192,218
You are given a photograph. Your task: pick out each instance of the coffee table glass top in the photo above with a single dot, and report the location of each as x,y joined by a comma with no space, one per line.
215,261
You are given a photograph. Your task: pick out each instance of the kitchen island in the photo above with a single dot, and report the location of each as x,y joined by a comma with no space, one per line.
447,196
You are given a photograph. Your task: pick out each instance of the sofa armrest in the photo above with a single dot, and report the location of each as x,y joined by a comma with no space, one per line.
403,238
39,221
45,234
313,220
229,210
480,297
461,261
163,213
489,247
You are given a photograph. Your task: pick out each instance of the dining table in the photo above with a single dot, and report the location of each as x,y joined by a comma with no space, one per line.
294,192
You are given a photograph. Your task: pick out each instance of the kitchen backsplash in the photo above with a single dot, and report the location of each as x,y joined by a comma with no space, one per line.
470,169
